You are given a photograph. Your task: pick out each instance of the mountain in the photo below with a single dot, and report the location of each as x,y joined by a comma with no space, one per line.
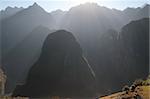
61,70
17,27
21,58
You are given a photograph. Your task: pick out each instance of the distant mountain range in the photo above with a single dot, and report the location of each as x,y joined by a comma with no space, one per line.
105,35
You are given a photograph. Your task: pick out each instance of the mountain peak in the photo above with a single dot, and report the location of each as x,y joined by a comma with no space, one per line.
36,7
35,4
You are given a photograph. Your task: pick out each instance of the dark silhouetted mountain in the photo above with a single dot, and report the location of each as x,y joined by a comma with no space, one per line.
61,70
22,57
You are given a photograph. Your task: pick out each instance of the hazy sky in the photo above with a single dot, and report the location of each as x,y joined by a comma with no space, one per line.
50,5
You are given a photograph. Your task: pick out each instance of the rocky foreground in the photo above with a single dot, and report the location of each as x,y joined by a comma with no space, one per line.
141,92
140,89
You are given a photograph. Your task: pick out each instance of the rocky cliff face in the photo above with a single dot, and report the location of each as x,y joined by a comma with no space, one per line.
134,40
122,57
61,70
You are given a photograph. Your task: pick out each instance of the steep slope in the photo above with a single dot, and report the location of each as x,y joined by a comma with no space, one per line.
19,60
61,70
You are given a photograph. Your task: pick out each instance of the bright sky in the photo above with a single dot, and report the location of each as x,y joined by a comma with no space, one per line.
51,5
